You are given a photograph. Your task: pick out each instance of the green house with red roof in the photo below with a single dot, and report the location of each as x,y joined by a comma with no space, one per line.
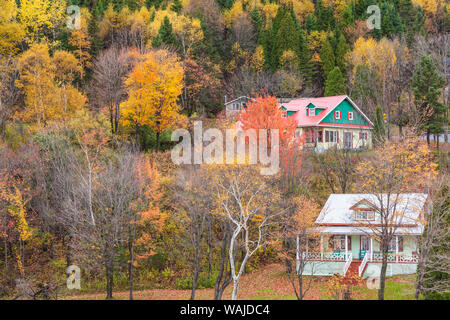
328,122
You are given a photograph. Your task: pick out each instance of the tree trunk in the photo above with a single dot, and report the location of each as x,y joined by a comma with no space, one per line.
224,275
195,273
383,276
109,275
5,242
130,265
157,140
235,288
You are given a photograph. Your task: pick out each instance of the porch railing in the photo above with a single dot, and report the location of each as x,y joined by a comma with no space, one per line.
364,262
333,256
347,263
391,257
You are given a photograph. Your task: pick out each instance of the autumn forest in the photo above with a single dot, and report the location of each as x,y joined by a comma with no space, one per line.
92,90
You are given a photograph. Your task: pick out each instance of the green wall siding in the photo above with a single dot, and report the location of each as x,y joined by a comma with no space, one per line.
345,107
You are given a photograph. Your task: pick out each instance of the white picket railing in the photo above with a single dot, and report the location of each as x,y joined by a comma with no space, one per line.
364,262
347,264
333,256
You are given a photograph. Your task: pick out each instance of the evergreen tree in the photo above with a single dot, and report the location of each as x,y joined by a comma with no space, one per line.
335,84
257,21
176,6
341,50
427,85
391,23
379,130
310,23
327,57
348,17
96,41
165,34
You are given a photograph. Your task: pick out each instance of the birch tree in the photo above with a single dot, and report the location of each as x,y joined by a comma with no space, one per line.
249,202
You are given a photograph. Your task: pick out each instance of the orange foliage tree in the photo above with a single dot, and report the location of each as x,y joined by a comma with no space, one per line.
265,113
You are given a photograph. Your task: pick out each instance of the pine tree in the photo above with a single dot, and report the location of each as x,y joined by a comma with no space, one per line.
96,41
427,85
341,50
327,57
256,20
176,6
310,23
165,34
335,84
378,125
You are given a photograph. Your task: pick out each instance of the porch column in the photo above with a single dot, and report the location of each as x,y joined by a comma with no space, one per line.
396,248
298,249
321,247
346,249
371,248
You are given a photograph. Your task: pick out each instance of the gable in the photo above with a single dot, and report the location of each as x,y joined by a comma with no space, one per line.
363,205
345,107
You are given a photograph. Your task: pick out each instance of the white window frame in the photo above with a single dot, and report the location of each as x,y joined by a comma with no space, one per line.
351,116
365,215
337,115
339,242
332,136
313,112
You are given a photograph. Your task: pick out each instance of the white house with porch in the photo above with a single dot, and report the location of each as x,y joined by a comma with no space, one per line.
348,226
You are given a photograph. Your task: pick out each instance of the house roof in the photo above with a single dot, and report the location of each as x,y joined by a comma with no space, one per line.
338,210
239,98
326,103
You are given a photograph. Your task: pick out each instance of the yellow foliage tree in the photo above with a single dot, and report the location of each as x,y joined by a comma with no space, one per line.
79,38
153,89
11,32
41,19
45,82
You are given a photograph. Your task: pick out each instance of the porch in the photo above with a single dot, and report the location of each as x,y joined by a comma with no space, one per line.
340,247
342,251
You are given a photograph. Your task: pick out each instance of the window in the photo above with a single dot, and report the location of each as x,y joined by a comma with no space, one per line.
308,136
319,136
351,116
339,242
330,136
311,112
391,245
283,114
363,136
337,115
365,215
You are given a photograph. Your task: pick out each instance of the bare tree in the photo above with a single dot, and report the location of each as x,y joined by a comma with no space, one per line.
193,197
434,251
337,167
396,168
108,90
9,93
246,201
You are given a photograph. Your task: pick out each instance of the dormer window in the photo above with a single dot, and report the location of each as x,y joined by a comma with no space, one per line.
367,215
337,115
351,116
311,112
283,114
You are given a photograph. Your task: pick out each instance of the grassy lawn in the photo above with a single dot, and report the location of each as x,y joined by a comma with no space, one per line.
271,283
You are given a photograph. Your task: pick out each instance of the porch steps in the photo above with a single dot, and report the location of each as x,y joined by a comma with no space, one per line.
352,275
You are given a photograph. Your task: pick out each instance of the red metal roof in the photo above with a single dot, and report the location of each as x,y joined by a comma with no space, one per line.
299,105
